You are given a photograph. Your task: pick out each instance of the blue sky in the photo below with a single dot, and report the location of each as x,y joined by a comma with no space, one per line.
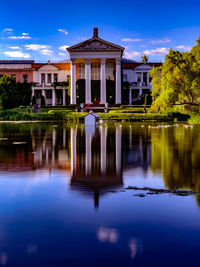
41,29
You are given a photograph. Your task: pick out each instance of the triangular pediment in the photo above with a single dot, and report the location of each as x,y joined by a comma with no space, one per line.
95,45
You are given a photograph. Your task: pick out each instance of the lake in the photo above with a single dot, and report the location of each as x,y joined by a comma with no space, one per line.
90,196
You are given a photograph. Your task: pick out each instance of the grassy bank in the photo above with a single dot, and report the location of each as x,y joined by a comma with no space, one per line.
194,119
114,114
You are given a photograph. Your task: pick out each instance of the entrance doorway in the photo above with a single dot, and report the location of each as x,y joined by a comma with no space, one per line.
95,91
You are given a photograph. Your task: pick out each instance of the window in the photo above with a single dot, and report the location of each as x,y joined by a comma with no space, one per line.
95,71
81,71
25,78
145,77
55,77
109,71
138,75
43,78
49,78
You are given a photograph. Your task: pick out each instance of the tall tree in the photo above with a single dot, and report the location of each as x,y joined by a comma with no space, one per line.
178,80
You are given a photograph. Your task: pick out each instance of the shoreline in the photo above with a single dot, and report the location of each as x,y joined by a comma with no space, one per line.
119,115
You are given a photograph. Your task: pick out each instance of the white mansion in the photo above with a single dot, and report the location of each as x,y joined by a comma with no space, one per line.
95,74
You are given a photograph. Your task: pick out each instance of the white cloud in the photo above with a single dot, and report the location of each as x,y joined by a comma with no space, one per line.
36,47
62,54
8,30
63,48
131,40
19,37
184,47
43,49
133,54
64,31
25,33
17,54
162,41
46,52
157,51
14,47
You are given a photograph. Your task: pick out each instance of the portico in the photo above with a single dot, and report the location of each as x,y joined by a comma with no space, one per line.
95,59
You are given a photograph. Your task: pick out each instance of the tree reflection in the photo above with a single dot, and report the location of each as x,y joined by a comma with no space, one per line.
176,153
96,158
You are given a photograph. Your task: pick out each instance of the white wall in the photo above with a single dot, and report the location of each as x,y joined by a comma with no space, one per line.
62,74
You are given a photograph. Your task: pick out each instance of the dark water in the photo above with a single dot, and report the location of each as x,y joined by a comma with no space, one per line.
64,202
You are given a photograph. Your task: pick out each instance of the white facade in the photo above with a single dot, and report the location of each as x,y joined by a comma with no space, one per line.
50,69
43,79
95,50
139,81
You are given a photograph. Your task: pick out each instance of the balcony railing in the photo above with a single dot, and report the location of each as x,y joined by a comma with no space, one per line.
50,85
140,84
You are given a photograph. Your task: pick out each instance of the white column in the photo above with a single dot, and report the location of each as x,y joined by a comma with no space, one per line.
103,81
44,94
141,78
130,96
53,97
140,91
118,149
73,152
103,149
88,153
118,98
64,97
87,81
73,83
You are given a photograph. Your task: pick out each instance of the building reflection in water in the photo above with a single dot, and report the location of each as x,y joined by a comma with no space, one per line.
92,157
96,166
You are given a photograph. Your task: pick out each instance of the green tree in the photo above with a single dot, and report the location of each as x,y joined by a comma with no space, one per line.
178,80
8,92
145,59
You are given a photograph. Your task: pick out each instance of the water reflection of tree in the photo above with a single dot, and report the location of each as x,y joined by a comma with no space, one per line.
176,152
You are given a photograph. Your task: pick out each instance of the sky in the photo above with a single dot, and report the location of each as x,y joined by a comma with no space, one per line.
42,29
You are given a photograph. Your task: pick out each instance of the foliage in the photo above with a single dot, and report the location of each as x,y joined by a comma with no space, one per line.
178,80
13,94
62,84
195,119
145,59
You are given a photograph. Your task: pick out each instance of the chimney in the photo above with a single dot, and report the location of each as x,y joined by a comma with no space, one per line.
95,33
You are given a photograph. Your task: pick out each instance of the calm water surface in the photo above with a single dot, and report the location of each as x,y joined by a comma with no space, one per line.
64,202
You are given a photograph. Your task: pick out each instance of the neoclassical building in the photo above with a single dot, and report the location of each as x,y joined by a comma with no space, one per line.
96,73
96,59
